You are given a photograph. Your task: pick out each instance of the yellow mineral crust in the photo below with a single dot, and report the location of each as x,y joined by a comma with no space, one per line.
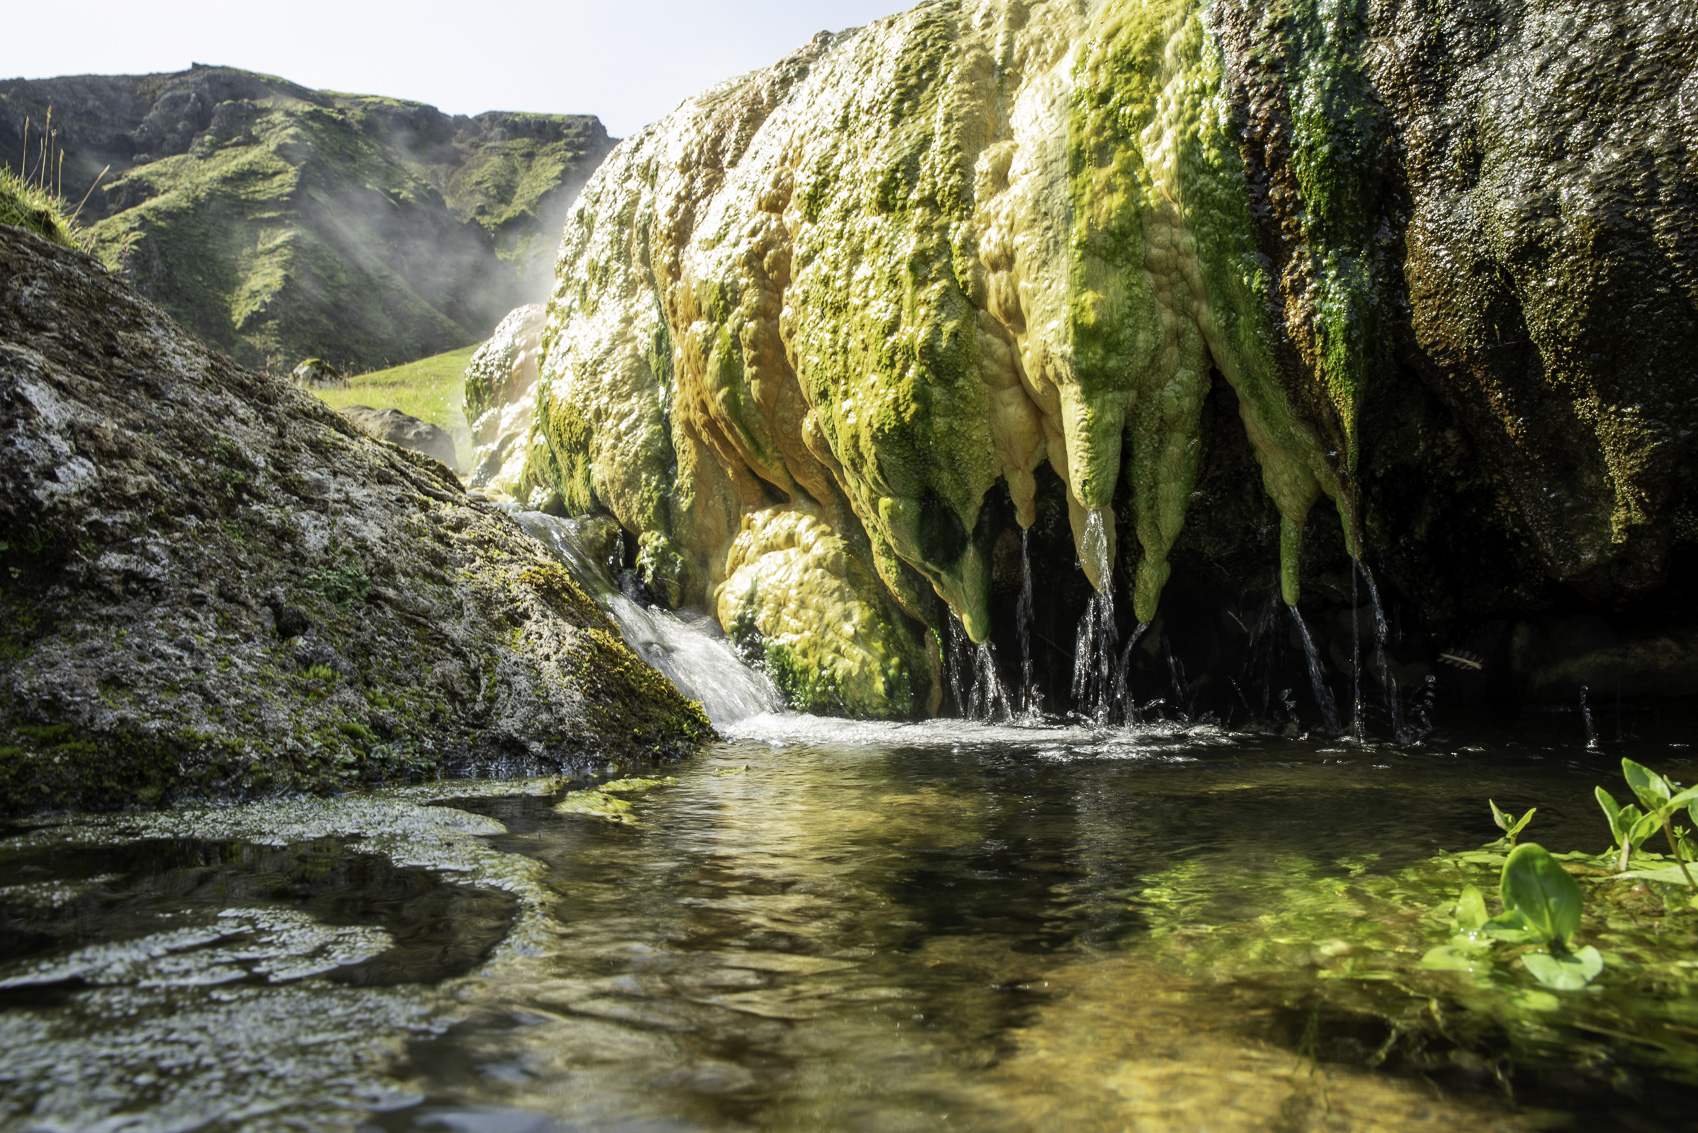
909,263
798,595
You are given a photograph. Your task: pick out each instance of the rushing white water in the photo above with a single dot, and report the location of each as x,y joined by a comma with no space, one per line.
971,673
1097,648
687,646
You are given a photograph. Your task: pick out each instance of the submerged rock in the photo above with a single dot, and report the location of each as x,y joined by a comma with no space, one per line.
214,584
402,429
1428,258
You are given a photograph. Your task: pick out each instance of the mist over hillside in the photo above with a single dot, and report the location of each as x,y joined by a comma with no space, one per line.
280,222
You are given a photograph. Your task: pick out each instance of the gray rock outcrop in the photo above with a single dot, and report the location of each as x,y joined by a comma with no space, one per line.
211,584
316,373
403,429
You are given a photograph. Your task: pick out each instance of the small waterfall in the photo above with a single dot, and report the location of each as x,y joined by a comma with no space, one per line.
990,699
971,673
1382,660
1329,712
1029,706
1096,648
1358,734
1122,694
687,647
1176,677
1592,743
953,656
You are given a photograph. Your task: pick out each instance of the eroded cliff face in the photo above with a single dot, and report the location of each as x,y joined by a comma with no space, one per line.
866,298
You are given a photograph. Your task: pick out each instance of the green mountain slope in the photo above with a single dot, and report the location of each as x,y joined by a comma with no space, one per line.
280,222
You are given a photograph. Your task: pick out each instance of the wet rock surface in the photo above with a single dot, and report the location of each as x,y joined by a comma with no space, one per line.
215,585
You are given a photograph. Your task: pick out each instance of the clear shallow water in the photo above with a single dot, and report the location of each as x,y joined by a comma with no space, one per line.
820,925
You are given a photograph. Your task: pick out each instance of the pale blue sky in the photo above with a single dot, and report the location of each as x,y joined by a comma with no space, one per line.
629,62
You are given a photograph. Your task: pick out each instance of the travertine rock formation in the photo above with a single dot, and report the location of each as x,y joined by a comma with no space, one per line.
865,298
501,397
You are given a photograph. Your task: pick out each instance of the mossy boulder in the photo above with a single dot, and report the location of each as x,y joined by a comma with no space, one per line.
316,373
213,585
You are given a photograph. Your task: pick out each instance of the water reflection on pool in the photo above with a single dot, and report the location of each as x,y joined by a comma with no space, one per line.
818,925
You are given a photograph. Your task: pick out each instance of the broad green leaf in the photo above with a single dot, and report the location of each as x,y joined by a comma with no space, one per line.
1651,788
1612,811
1498,816
1521,824
1644,829
1509,927
1464,957
1547,898
1471,909
1531,999
1680,799
1565,973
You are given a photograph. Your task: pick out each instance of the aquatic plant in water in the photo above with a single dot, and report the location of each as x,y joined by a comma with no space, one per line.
1509,824
1419,952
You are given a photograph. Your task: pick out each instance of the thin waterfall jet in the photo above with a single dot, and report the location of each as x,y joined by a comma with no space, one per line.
1382,660
1592,743
1329,713
1023,618
1096,649
1357,733
1122,675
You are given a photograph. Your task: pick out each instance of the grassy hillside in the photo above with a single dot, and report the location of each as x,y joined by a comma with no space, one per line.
25,204
431,389
280,222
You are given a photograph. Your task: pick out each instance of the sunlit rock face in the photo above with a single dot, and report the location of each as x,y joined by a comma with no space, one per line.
501,383
871,290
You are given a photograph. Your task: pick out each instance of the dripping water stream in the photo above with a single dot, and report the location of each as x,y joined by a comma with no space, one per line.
1317,679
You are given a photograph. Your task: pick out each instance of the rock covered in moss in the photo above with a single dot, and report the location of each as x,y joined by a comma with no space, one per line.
403,429
210,583
912,266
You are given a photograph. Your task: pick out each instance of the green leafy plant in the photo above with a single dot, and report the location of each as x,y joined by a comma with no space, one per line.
1629,825
1509,824
339,585
1661,802
1547,900
1541,906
